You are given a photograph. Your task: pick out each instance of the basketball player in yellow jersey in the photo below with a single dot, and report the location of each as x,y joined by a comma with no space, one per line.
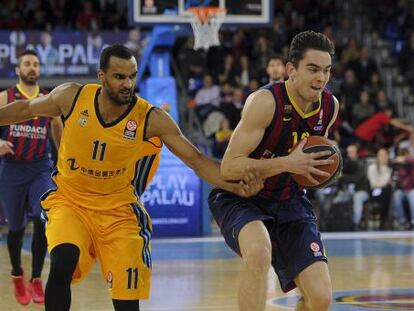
110,143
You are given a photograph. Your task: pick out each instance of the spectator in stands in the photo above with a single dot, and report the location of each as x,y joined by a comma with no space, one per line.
364,66
404,189
379,176
208,101
226,93
222,138
87,18
192,63
261,52
355,178
368,130
382,100
232,110
230,71
408,144
374,85
209,94
275,68
253,86
350,52
246,72
350,90
361,110
406,60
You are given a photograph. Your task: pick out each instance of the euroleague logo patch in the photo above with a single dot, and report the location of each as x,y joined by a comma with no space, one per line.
315,249
130,131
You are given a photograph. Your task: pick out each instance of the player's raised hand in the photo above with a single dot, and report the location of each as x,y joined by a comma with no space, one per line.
6,147
251,184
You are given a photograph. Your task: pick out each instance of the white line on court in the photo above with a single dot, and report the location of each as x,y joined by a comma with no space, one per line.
325,236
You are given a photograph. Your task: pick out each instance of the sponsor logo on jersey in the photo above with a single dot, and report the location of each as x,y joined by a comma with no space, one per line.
28,131
72,164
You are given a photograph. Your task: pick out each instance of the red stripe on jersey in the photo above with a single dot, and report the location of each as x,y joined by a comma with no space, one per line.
34,142
42,148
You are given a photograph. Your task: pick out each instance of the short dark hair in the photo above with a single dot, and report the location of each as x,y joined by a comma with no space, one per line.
275,57
26,52
306,40
117,50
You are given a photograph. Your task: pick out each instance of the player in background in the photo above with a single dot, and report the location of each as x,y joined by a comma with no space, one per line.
278,227
25,174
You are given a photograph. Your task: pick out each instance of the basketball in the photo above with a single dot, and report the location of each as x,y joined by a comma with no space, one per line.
316,144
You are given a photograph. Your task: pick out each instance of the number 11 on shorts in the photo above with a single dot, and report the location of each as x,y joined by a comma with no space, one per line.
132,278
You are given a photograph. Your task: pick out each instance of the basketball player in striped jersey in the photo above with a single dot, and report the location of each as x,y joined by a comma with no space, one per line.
25,171
109,151
278,226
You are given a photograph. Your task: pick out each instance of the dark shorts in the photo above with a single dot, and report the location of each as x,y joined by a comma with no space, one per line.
296,241
21,186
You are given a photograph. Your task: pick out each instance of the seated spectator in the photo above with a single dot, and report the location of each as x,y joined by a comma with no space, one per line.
404,189
253,86
207,98
232,110
230,71
209,94
382,100
374,85
408,144
222,138
363,66
361,110
379,177
354,176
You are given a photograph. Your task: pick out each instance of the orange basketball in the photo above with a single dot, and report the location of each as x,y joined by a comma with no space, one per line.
316,144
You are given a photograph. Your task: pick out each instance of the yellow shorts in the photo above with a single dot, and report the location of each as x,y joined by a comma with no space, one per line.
119,239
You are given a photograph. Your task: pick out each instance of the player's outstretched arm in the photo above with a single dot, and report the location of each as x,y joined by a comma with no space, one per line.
161,125
56,103
257,115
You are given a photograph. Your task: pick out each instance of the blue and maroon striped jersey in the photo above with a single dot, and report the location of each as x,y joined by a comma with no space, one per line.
289,125
30,138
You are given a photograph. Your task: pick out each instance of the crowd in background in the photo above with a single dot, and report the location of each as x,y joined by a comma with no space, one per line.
376,143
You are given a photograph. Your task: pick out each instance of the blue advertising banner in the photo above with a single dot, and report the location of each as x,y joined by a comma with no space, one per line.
173,199
63,53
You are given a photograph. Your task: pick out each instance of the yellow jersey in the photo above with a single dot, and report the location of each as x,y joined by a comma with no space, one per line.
104,165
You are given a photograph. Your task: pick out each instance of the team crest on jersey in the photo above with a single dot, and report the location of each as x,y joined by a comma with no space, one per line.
110,279
287,108
130,130
84,114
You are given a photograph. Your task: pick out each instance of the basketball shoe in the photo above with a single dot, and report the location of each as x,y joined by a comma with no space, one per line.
20,290
35,288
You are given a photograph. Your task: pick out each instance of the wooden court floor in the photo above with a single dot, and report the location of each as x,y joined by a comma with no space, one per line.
370,271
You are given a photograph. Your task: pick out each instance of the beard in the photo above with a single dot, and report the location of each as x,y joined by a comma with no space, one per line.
30,79
117,98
